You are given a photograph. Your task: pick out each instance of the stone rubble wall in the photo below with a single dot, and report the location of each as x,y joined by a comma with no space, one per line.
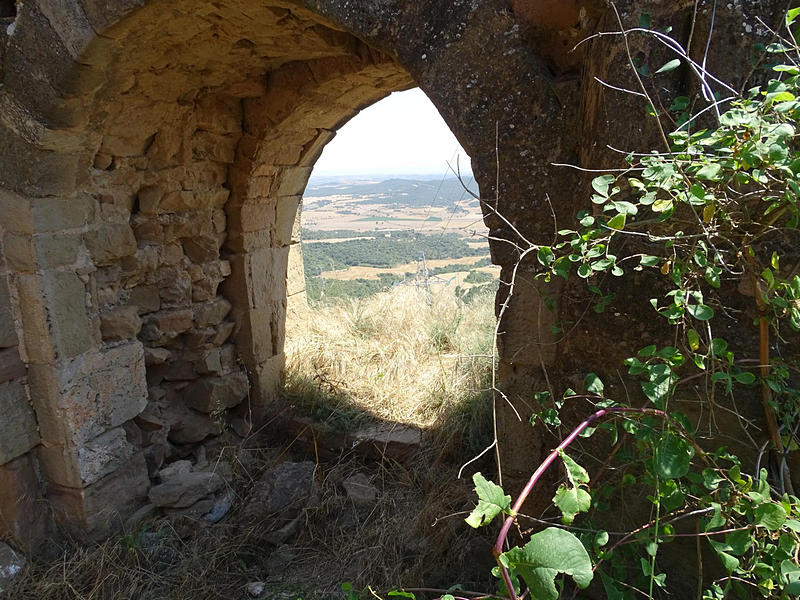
149,197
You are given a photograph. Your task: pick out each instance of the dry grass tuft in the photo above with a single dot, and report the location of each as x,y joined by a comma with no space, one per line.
392,356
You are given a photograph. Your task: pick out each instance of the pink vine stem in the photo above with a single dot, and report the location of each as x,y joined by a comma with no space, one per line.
501,539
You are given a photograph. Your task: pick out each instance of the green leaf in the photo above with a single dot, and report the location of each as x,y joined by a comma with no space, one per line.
547,554
701,312
618,222
659,387
649,261
729,562
600,184
491,502
577,474
571,501
612,591
670,66
770,515
594,385
694,339
745,378
710,172
672,456
545,256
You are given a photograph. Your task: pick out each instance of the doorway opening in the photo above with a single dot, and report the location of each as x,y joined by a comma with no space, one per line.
390,317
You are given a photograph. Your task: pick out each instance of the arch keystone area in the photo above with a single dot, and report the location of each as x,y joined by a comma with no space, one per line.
153,155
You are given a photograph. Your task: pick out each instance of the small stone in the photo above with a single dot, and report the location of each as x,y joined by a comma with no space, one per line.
187,426
211,394
255,588
360,490
11,564
211,313
282,491
120,323
149,199
175,469
185,489
145,298
395,442
223,501
201,249
156,356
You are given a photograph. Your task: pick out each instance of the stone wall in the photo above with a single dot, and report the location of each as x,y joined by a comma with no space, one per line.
152,163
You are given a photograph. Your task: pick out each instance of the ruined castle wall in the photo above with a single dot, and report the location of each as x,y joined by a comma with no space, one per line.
152,160
148,265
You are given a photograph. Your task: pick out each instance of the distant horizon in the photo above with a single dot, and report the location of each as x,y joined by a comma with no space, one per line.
402,134
466,176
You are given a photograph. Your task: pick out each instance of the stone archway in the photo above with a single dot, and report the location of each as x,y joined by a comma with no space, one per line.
153,149
148,269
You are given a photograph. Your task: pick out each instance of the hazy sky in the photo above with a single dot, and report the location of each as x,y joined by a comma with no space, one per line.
399,134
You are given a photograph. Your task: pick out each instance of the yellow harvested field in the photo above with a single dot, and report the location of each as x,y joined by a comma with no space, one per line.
361,272
344,213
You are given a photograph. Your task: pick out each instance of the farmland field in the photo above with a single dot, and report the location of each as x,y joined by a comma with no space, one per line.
362,235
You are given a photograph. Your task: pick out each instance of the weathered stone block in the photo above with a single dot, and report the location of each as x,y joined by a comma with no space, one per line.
145,298
120,323
107,285
201,249
211,313
31,170
156,356
211,146
11,365
57,214
15,212
78,467
8,332
293,180
149,199
252,216
56,250
213,394
285,214
184,489
36,333
187,426
19,253
161,327
18,431
268,379
23,514
218,114
92,513
65,304
189,200
174,286
267,272
84,397
110,242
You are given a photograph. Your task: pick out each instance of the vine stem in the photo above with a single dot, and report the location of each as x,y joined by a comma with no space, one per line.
764,367
497,550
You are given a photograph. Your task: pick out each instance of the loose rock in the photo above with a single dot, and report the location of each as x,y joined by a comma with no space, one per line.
11,564
185,489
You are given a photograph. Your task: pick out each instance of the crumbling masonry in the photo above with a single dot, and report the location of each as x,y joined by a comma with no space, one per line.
153,154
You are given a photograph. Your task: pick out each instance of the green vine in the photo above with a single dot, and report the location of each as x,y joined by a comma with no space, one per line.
717,211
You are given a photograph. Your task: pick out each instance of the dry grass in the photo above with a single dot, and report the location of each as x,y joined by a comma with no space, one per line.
394,355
